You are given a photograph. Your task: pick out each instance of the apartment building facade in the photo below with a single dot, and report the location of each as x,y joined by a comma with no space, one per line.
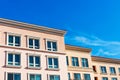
79,63
106,68
30,52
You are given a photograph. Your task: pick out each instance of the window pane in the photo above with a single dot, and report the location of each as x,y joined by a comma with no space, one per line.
10,40
51,77
38,77
17,59
68,76
17,77
17,41
75,61
31,62
48,44
37,61
87,76
54,46
10,59
67,60
36,44
50,63
77,76
55,62
30,43
10,76
56,77
32,77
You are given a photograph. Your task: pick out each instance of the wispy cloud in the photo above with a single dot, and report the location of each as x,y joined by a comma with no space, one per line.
94,41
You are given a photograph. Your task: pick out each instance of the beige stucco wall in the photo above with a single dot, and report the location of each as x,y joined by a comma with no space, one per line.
107,65
24,50
80,69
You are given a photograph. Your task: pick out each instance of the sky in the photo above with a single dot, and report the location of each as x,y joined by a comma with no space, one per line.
92,24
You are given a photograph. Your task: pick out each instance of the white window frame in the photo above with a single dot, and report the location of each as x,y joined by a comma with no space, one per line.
52,62
53,75
52,45
33,74
12,73
28,37
10,52
30,54
13,34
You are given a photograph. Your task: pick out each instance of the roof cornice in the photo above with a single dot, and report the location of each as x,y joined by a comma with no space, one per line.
32,27
106,60
76,48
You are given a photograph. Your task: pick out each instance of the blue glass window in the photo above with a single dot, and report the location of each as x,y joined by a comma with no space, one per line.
52,62
14,76
75,61
87,77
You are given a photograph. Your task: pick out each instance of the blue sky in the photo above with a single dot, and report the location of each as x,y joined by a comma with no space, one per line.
89,23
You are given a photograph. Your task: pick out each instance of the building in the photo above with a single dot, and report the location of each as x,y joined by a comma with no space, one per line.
106,68
79,63
30,52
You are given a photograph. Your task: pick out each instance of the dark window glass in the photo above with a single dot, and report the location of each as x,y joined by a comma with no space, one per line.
37,61
10,76
10,59
75,61
55,62
77,76
30,43
36,44
17,41
87,77
17,59
54,46
31,62
10,40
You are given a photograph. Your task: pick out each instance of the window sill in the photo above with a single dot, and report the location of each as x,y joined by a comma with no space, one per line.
52,69
34,68
12,66
103,73
113,74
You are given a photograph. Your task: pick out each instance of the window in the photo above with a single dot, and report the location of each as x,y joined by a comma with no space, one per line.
119,70
53,63
68,76
112,70
54,77
34,43
94,69
13,40
34,61
13,59
67,60
95,78
104,78
114,79
51,45
87,77
85,62
103,69
77,76
34,77
75,61
13,76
